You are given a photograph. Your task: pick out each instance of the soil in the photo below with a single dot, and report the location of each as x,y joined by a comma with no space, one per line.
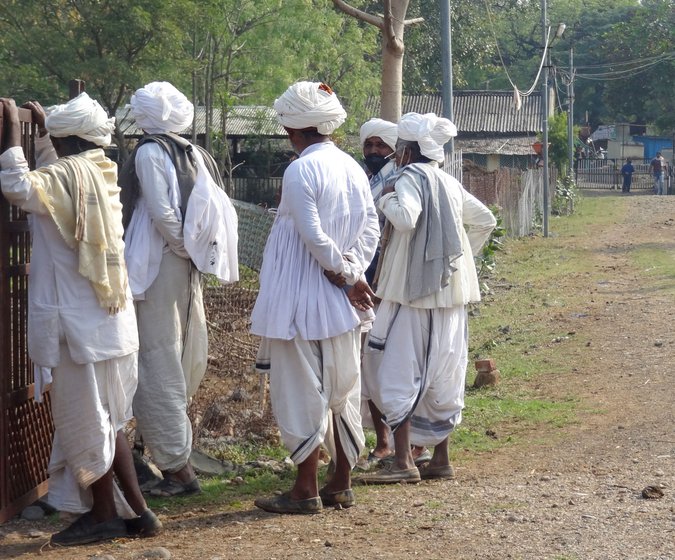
567,493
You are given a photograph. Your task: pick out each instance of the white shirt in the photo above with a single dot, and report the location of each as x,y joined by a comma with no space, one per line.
326,213
403,208
62,305
156,225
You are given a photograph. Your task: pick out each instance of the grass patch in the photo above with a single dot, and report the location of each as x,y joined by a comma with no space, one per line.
656,263
521,325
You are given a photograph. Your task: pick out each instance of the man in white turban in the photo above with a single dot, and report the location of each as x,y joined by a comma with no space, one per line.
414,365
326,227
378,142
177,222
82,334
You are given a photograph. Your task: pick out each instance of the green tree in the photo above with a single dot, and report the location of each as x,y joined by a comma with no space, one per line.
643,91
113,45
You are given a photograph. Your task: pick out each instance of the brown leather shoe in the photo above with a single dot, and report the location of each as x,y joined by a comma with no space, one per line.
285,504
343,498
428,472
389,474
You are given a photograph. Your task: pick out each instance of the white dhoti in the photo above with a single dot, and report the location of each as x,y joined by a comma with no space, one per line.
420,373
312,382
90,404
172,360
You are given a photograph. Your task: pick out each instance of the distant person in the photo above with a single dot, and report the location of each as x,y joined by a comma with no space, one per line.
658,167
82,336
326,226
627,173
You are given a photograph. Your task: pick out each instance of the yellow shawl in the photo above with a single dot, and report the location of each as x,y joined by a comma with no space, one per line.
82,196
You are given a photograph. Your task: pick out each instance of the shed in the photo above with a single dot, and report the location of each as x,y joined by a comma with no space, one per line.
491,132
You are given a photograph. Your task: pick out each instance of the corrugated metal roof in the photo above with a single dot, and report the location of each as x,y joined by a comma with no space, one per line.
242,120
478,112
503,145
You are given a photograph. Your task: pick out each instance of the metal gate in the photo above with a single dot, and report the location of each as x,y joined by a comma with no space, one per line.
26,427
606,174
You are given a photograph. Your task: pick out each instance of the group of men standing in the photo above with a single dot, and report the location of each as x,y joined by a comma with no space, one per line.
116,318
314,298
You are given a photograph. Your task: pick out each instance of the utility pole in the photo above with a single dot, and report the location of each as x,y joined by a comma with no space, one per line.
544,119
570,115
446,62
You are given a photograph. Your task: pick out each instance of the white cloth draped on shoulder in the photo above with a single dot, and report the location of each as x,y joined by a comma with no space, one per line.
210,230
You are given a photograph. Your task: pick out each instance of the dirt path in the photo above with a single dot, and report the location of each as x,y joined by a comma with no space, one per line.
570,494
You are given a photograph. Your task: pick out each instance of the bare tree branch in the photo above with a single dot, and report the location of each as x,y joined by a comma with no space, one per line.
394,43
359,14
413,21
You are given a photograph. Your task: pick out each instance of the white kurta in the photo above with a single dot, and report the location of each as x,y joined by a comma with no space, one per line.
326,212
419,374
90,354
171,322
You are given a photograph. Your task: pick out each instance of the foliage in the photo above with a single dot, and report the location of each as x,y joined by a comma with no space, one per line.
566,196
644,95
557,138
486,259
112,46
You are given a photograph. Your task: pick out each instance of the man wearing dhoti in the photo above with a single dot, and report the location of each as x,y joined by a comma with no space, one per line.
82,335
326,225
177,223
414,364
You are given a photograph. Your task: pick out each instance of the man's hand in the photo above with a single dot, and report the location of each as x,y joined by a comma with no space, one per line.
335,278
39,115
361,296
12,128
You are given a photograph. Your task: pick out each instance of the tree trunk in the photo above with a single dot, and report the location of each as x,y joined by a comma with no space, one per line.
392,26
392,60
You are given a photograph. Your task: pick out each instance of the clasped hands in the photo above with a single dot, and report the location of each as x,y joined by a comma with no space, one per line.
360,294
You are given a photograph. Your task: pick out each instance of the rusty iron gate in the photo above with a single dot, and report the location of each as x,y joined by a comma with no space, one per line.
26,427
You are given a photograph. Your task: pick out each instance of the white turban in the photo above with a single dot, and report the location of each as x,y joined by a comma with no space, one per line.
386,130
310,105
429,131
83,117
159,107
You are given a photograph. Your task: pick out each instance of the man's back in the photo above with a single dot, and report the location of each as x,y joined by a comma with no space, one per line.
326,210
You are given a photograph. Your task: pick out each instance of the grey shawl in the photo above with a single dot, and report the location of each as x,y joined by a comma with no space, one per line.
437,240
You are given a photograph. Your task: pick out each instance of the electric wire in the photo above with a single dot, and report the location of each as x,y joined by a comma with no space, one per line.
530,90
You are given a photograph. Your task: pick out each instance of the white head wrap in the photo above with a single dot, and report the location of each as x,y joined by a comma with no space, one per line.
386,130
83,117
159,107
310,105
429,131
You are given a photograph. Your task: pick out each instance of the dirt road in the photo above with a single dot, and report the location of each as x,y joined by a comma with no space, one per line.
570,493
